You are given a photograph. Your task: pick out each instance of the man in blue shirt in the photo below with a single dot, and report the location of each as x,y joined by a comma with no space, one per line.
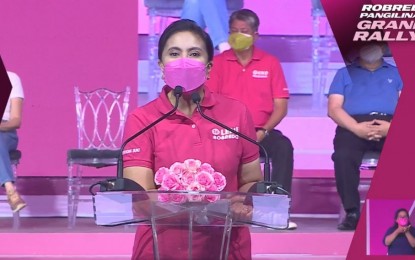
362,101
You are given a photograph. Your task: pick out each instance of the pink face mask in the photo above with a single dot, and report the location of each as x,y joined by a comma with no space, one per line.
403,222
185,72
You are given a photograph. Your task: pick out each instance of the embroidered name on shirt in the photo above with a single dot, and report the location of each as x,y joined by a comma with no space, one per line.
261,74
223,134
134,150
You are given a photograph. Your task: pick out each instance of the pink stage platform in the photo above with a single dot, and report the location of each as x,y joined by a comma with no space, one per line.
315,208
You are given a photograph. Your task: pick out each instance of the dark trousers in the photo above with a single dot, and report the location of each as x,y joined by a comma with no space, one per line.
280,151
349,150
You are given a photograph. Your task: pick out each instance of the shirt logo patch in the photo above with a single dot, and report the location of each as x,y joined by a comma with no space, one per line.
390,80
133,150
223,134
260,74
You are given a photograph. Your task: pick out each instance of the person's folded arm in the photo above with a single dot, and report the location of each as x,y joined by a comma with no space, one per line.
338,114
390,238
393,234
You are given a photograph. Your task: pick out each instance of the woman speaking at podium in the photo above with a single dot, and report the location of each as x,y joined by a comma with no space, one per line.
185,53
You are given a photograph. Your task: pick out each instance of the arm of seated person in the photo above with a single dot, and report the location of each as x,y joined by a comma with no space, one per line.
389,238
409,233
336,112
250,173
278,114
16,105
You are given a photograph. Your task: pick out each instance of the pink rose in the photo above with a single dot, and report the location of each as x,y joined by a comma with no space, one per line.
158,177
205,179
164,197
207,168
170,182
195,186
187,178
192,165
212,187
219,180
212,197
178,168
178,198
195,198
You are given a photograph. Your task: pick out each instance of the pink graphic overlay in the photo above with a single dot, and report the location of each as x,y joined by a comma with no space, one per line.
6,86
392,179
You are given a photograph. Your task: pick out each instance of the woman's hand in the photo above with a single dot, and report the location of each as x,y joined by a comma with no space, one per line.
240,210
400,229
406,229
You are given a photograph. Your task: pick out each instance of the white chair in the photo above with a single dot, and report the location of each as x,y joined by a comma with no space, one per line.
101,116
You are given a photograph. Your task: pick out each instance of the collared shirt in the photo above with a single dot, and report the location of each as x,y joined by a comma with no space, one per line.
179,137
368,91
257,84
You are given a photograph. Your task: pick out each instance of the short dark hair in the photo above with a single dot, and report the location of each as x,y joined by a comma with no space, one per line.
185,25
397,214
247,16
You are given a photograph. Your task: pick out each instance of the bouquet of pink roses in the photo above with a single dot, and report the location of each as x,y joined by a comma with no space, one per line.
191,175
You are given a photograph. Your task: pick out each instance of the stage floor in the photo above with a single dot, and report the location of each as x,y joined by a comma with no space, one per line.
49,238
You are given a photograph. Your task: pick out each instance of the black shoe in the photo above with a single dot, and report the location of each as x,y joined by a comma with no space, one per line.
350,222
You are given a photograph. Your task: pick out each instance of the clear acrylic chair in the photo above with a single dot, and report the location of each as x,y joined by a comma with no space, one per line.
323,47
159,12
101,116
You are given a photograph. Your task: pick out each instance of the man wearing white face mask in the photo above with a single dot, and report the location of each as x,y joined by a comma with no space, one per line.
362,101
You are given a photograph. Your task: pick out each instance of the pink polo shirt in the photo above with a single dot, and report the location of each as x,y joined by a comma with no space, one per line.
257,84
179,138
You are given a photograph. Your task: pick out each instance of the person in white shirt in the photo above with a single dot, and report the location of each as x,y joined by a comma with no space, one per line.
10,122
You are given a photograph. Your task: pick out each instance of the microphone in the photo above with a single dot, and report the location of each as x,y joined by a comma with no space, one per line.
266,186
123,184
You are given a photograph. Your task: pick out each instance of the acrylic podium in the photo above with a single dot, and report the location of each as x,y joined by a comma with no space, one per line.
200,218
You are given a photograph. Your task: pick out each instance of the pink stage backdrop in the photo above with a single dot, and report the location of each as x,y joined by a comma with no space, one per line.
54,45
278,17
381,217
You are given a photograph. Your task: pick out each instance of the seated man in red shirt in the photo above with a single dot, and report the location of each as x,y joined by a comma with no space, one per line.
255,77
